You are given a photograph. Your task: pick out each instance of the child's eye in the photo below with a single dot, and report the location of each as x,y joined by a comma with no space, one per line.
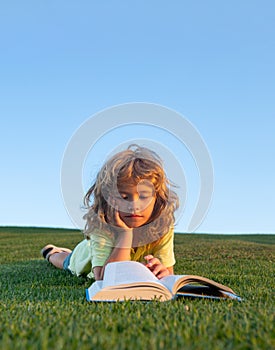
119,198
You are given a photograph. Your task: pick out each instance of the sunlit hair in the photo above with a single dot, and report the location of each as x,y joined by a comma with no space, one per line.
131,166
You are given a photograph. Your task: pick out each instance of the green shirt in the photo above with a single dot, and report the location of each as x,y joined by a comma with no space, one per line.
95,251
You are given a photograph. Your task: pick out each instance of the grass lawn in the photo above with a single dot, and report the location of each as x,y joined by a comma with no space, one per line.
45,308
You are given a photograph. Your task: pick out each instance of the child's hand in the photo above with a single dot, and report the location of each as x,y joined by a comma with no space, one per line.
156,266
114,217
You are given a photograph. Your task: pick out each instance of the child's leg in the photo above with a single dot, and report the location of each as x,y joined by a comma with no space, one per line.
57,259
55,255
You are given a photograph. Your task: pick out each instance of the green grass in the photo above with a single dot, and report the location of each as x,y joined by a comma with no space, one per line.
45,308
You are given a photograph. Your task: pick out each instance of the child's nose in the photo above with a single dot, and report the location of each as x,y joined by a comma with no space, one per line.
134,205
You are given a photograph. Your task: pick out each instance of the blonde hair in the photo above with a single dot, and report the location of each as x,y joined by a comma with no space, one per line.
132,166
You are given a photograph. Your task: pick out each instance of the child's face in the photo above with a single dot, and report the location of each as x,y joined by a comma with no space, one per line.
136,203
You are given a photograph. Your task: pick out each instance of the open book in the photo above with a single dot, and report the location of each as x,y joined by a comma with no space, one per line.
130,280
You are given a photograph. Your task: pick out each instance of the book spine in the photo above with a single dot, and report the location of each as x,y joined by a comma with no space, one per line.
87,295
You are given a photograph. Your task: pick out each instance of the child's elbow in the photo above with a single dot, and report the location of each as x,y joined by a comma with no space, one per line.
98,273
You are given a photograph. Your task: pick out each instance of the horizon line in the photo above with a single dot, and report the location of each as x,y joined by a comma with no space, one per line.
176,232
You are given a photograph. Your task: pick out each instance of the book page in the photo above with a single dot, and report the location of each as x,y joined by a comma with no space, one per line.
134,291
123,272
170,281
175,282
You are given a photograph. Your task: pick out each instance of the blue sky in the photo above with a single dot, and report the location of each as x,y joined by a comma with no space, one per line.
211,61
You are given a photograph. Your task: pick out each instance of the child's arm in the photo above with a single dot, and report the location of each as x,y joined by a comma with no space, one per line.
122,249
120,253
98,272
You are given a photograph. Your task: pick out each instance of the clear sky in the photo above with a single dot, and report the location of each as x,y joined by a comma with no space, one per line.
212,61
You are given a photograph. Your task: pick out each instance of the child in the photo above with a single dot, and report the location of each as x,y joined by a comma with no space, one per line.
130,217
